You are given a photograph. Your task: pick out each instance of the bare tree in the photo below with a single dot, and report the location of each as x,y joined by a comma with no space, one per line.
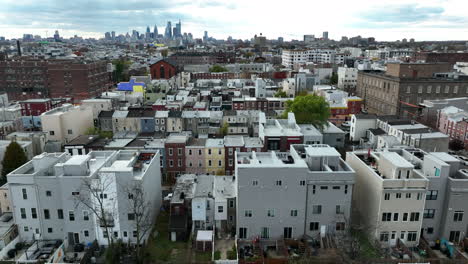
93,195
141,211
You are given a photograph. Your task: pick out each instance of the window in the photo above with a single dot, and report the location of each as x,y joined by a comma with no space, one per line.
405,217
395,217
130,196
231,204
170,152
70,131
33,213
248,213
271,212
71,216
316,209
323,187
103,195
287,233
402,235
294,212
447,90
387,196
48,193
26,229
438,89
458,216
340,226
125,233
86,233
46,214
314,226
384,237
219,163
430,230
171,163
398,195
412,235
25,194
220,152
51,133
209,151
419,196
220,209
432,195
209,163
23,213
242,232
179,151
386,217
86,215
429,213
454,236
134,233
339,209
279,183
414,217
75,193
265,233
336,187
408,196
59,213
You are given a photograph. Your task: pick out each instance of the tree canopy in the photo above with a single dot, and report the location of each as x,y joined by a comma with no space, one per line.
218,68
281,94
13,159
334,78
309,109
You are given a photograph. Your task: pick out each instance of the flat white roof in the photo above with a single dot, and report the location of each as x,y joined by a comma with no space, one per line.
396,159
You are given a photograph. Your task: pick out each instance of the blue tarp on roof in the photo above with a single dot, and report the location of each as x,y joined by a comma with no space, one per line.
128,86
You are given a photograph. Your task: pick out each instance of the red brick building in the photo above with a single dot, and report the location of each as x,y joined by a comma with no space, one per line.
450,57
163,69
24,79
35,107
175,156
453,122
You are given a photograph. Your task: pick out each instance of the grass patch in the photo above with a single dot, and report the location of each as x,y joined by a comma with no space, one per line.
202,257
367,250
160,248
217,255
232,254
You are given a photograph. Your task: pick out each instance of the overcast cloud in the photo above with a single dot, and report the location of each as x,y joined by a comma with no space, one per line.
383,19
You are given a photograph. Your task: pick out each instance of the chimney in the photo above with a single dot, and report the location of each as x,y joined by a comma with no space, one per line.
19,47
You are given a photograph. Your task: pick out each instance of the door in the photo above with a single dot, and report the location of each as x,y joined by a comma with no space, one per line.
287,233
265,233
76,238
71,241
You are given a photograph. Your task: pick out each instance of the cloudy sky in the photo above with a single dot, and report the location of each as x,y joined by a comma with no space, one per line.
383,19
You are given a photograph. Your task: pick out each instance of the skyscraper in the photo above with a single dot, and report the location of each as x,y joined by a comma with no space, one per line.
325,35
155,31
56,35
107,36
148,33
168,32
178,29
113,35
205,36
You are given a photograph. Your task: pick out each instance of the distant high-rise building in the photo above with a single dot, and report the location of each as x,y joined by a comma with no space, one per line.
325,35
148,33
155,31
411,40
168,32
113,35
147,29
205,36
178,29
309,38
404,40
107,36
56,35
280,40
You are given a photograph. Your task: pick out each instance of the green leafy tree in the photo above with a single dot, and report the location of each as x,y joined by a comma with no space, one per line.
13,159
309,109
224,129
281,94
334,78
218,68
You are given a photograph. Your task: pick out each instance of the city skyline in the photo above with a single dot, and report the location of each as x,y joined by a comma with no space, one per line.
385,20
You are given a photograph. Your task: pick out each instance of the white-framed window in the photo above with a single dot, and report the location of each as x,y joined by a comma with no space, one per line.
248,213
271,212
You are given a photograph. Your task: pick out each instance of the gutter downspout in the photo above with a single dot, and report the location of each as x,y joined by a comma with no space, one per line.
305,211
